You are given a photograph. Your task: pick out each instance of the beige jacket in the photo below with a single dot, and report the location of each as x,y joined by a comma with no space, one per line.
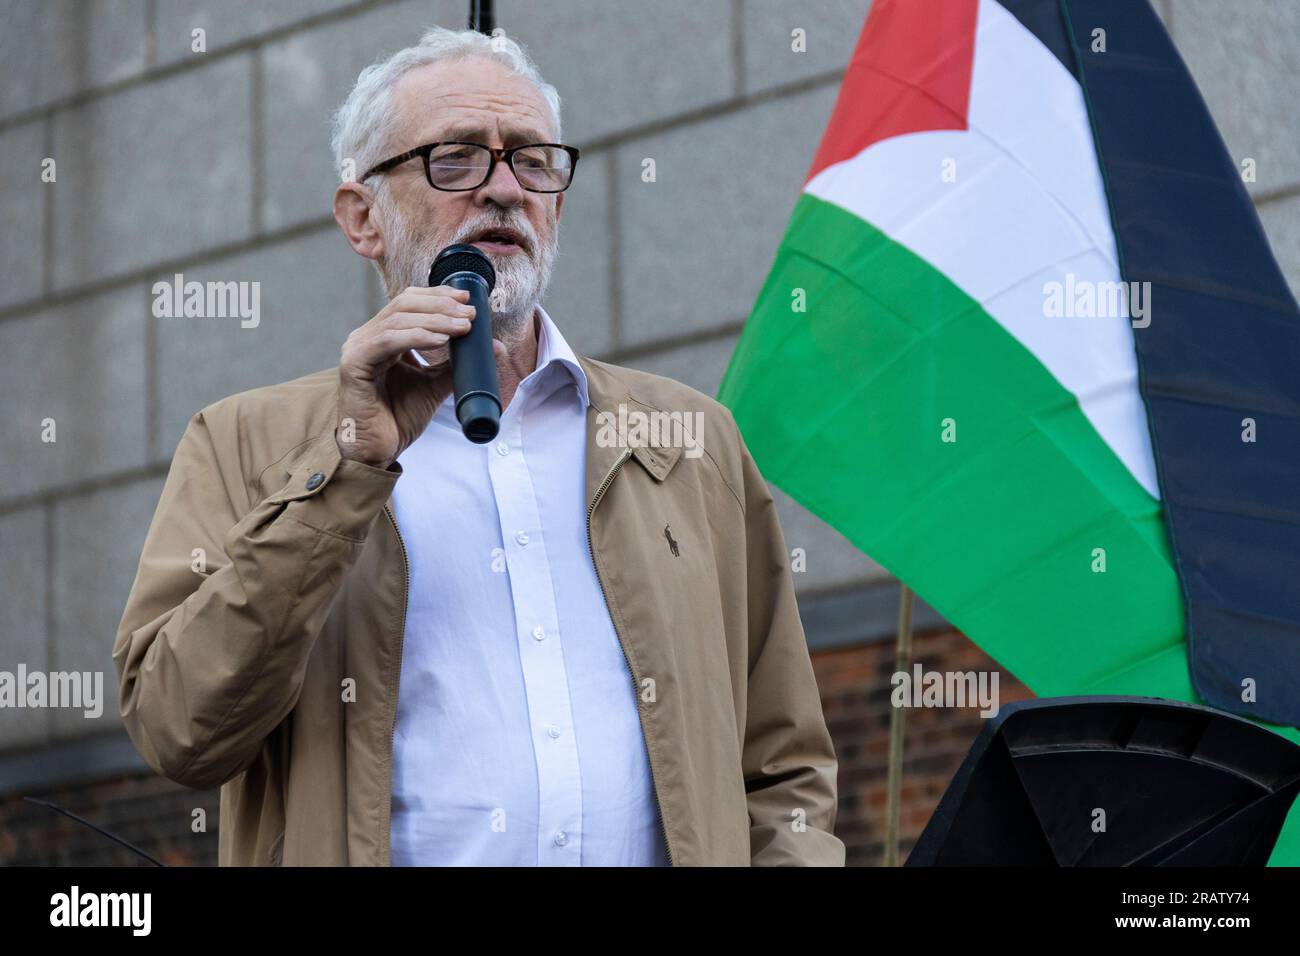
273,572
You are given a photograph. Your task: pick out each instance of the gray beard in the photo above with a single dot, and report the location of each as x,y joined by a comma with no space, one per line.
520,284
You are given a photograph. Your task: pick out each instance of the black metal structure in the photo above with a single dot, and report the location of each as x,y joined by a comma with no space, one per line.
1114,781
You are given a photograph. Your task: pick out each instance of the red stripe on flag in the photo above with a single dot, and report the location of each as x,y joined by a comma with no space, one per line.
910,73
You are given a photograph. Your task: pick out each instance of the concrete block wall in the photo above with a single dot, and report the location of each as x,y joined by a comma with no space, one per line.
216,165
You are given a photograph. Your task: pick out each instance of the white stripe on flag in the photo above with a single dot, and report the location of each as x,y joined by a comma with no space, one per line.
1027,207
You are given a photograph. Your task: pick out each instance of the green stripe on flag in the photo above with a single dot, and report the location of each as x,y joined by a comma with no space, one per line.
844,407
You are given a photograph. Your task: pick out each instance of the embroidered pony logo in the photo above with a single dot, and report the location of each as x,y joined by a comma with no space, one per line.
672,545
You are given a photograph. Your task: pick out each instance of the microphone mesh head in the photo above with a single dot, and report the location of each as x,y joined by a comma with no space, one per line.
462,257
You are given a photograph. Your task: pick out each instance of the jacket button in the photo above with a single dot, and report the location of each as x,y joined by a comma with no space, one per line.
314,481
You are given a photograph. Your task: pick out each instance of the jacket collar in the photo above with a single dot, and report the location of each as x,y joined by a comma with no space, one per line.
601,396
607,389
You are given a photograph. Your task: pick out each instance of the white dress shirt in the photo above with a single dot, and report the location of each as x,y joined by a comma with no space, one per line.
518,740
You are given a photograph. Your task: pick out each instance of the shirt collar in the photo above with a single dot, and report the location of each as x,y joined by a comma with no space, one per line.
552,348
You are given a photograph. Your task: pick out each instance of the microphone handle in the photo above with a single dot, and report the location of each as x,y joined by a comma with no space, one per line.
473,366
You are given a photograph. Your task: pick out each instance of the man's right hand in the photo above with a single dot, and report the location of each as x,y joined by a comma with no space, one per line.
388,396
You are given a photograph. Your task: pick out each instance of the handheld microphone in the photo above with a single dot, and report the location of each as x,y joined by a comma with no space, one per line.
473,366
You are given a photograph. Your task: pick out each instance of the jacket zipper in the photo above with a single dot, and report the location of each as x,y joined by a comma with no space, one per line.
401,640
636,684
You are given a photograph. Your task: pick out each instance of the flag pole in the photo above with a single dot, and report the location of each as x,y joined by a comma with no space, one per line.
902,664
480,16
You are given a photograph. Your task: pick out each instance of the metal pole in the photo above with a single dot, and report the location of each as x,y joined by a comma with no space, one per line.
902,664
480,16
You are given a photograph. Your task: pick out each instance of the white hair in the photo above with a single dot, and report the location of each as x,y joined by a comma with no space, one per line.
363,124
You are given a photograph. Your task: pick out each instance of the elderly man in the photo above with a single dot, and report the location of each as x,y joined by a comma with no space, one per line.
595,636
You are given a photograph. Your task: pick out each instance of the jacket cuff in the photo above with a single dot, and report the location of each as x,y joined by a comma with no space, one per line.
330,493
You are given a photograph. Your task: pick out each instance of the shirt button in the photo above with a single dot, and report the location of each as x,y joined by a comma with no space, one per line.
522,537
553,731
539,632
503,448
314,481
561,838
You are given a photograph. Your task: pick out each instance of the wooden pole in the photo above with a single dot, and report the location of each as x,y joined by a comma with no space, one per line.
902,664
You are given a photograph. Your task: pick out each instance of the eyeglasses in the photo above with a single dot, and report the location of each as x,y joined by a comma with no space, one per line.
458,167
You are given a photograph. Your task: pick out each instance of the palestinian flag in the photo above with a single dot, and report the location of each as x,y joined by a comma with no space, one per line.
1025,344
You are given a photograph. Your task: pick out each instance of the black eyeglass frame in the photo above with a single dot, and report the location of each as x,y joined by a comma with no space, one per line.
498,154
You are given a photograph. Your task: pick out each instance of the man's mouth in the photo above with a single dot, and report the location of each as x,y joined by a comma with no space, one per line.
499,241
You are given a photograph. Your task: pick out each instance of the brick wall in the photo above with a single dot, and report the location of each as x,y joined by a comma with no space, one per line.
216,165
855,688
146,811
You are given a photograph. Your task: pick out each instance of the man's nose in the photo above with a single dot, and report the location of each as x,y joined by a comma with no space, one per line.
502,187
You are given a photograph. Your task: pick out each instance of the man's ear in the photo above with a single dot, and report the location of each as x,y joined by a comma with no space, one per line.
353,204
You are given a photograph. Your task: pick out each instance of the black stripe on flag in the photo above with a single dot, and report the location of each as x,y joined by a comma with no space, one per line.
1219,363
1042,18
